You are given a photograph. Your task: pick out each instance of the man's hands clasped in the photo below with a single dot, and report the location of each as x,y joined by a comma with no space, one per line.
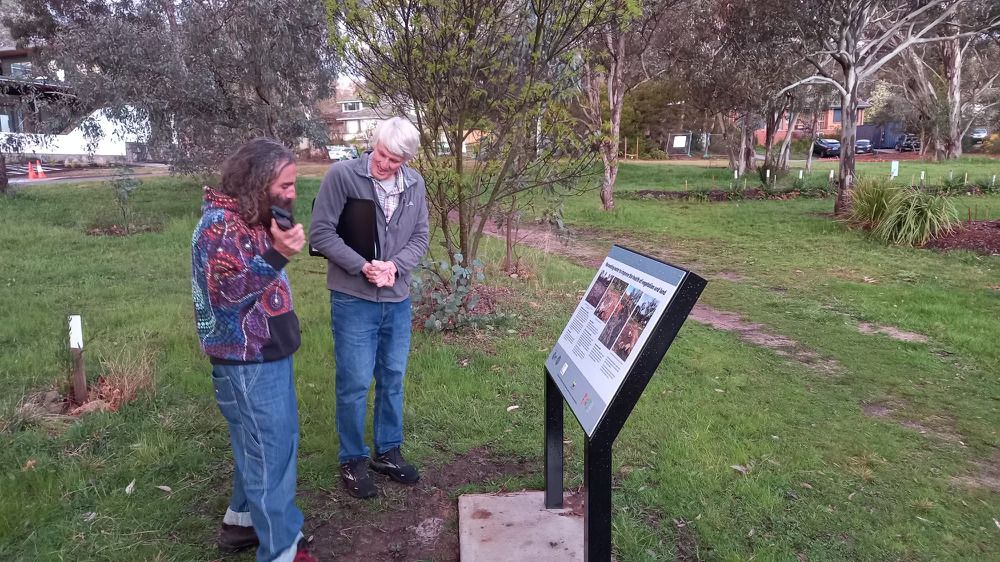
380,273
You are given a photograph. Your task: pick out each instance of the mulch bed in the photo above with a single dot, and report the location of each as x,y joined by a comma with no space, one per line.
982,237
718,195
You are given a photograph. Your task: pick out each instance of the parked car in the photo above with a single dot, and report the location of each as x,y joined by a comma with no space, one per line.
863,146
908,142
341,152
826,147
979,134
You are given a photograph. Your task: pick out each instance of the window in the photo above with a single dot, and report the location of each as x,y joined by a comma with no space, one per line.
351,106
11,120
837,115
20,70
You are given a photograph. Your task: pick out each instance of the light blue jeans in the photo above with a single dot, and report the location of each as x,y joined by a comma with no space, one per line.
370,339
258,402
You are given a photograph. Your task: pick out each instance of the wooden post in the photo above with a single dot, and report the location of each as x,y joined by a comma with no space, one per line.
78,377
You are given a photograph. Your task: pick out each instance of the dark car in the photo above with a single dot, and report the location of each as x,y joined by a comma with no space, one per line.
863,146
826,147
908,142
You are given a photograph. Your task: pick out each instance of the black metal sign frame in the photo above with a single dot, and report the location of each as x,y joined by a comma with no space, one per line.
597,448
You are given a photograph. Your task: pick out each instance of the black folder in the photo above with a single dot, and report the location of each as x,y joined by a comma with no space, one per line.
358,228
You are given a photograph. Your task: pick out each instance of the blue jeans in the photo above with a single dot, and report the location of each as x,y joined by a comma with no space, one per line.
370,339
258,402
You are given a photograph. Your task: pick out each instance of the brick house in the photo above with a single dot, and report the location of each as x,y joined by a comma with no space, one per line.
828,124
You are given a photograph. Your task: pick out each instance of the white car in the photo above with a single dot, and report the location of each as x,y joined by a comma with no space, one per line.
341,152
979,134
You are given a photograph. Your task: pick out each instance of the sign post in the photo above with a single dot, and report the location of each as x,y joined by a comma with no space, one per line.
601,364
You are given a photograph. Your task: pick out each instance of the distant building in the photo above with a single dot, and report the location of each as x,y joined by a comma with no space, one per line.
828,124
25,124
349,118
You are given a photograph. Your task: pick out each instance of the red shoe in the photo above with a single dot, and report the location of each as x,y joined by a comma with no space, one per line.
303,554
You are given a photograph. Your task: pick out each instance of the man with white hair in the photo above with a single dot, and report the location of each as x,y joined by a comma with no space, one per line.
370,294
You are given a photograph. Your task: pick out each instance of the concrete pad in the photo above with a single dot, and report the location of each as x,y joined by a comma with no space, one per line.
505,527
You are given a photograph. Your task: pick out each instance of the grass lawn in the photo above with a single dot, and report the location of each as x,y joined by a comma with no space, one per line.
716,175
826,481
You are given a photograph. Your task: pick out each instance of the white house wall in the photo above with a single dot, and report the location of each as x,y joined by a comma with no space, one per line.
74,143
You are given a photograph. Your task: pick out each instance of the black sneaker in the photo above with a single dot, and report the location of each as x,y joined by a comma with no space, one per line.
392,464
234,538
357,479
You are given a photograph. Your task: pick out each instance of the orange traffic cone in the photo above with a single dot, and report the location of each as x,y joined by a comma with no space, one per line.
41,172
31,171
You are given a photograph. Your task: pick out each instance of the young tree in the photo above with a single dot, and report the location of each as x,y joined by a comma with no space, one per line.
848,41
197,77
621,55
505,68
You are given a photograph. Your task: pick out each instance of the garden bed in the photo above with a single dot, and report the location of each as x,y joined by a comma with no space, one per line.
982,237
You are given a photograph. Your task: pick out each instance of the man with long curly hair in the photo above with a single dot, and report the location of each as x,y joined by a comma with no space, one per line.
248,329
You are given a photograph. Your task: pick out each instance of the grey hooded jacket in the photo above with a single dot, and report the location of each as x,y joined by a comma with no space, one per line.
403,240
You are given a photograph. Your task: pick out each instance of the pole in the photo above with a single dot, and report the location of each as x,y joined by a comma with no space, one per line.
553,444
78,377
597,500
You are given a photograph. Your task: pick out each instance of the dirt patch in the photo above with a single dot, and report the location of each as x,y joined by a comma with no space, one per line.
758,334
941,428
982,237
590,252
685,542
986,475
409,523
894,333
730,276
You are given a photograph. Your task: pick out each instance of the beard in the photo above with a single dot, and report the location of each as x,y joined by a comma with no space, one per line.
264,214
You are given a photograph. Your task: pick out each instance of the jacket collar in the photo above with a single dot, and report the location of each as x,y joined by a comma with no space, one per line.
219,200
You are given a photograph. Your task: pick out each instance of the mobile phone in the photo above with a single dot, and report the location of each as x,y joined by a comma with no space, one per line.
283,217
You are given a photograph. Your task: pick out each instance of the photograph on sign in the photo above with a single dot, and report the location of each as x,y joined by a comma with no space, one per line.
608,330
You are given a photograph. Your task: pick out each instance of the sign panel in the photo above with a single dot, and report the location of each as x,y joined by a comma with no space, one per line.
609,329
680,141
894,169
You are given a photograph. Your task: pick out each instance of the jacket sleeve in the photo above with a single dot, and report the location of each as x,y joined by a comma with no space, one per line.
408,257
235,273
323,229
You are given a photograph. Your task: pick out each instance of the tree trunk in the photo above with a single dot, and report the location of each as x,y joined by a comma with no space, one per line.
848,136
616,101
749,144
951,55
610,157
4,180
786,145
728,140
813,124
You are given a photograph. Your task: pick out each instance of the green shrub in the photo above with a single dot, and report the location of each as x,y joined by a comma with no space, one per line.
988,185
870,200
654,154
443,293
913,217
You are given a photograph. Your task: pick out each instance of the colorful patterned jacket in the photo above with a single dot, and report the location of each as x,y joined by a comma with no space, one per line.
242,300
